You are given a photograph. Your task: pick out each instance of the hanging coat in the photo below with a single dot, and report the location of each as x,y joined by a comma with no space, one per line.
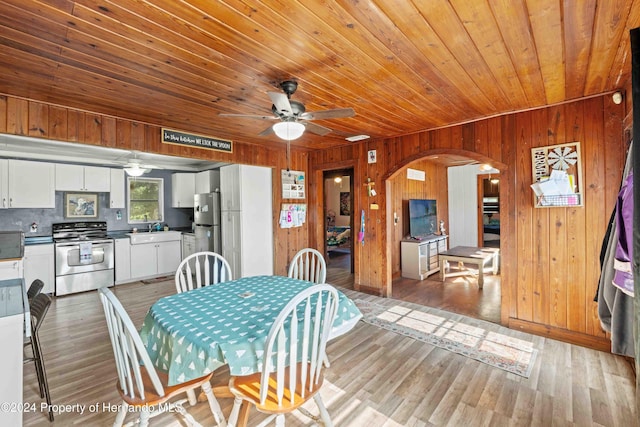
623,276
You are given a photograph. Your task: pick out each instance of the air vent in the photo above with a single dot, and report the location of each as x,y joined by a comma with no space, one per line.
357,138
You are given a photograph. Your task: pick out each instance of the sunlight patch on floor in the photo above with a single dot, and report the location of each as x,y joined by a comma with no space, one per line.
468,335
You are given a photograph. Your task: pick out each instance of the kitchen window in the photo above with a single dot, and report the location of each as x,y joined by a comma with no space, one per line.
145,200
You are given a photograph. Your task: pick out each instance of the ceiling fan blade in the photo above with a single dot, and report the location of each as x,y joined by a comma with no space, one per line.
267,131
337,113
281,101
317,129
249,116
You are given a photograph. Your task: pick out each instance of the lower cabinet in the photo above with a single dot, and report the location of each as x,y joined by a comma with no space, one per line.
419,258
154,259
122,261
188,244
11,337
38,263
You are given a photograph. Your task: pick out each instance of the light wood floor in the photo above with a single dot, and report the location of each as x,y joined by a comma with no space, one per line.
377,378
457,294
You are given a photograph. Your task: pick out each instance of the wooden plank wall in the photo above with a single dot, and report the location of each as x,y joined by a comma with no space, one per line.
550,257
24,117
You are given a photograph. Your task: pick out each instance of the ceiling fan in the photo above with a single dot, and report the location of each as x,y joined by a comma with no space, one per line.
294,119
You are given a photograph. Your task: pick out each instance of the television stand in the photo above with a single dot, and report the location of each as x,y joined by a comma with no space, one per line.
419,258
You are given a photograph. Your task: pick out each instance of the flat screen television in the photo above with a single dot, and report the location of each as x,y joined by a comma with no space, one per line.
423,218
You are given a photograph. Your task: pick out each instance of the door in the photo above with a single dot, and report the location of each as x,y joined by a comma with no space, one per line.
144,260
168,256
206,236
204,209
339,219
31,184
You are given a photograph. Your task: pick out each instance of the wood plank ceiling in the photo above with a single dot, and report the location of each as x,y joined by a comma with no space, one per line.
404,66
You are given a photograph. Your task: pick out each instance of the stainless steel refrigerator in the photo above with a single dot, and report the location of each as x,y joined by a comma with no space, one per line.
206,217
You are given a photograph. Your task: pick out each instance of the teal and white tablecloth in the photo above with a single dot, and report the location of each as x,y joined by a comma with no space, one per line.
193,333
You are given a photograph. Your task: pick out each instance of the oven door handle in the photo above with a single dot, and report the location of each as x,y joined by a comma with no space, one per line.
76,243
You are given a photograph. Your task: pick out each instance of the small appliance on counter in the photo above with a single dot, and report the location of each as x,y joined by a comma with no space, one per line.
11,245
206,217
11,254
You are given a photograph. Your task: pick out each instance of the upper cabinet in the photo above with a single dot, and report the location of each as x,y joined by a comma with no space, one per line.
117,199
207,181
4,183
27,184
183,187
82,178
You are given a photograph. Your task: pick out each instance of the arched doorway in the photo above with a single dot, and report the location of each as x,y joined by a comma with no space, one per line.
447,176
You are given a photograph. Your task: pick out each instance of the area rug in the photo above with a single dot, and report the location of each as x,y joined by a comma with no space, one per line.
452,332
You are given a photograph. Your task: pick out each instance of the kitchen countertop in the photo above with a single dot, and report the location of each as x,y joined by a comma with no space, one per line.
123,234
37,240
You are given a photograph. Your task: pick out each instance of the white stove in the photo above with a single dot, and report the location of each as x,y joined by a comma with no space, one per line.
84,258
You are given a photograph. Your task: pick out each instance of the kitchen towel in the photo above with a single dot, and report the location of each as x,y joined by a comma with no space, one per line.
86,253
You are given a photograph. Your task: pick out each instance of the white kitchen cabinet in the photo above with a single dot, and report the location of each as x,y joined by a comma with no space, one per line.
230,187
207,181
28,184
38,263
188,244
11,269
122,261
11,337
169,257
183,187
247,233
4,183
154,259
231,234
82,178
116,195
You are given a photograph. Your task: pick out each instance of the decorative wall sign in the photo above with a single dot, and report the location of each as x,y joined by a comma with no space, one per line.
193,140
80,205
372,157
557,175
292,184
293,215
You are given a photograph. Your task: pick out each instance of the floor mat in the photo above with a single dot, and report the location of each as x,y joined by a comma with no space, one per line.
453,332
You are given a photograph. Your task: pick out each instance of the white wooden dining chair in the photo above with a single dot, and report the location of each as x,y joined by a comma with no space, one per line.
139,384
202,269
292,368
308,264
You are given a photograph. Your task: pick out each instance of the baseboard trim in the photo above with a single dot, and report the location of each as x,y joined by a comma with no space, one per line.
584,340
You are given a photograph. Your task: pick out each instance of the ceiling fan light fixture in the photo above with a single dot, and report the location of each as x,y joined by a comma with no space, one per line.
135,171
288,130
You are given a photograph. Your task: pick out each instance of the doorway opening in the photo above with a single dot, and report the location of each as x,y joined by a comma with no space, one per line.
460,206
489,210
338,223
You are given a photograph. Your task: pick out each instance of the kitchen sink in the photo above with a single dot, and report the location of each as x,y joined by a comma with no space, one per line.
153,237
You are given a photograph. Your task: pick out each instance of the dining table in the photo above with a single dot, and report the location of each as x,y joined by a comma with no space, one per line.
193,333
